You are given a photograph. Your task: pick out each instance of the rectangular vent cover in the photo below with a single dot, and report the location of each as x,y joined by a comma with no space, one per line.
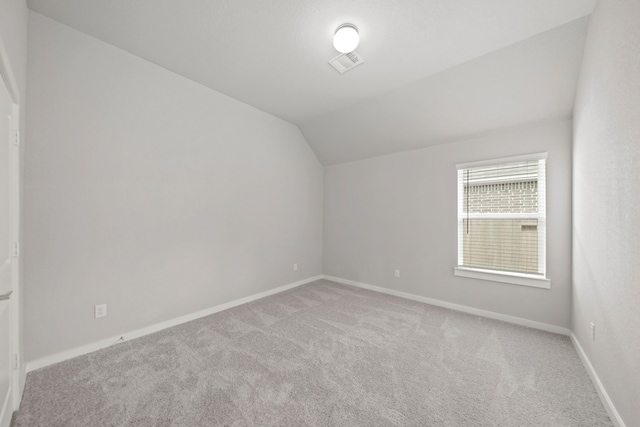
346,61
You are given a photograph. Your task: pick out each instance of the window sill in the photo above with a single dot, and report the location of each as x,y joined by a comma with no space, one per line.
504,277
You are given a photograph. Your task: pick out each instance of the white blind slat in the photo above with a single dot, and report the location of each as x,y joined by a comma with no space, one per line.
502,216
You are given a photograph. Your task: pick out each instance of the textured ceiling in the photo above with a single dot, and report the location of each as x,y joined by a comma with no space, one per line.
273,55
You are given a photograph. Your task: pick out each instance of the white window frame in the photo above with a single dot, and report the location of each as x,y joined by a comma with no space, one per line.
535,280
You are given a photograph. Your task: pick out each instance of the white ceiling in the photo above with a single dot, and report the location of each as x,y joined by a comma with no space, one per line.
273,55
530,81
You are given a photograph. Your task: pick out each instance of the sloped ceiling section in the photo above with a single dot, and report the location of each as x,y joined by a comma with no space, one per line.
274,56
530,81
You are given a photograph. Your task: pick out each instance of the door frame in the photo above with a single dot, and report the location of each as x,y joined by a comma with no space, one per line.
18,374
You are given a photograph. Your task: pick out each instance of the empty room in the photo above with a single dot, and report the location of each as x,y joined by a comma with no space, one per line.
303,213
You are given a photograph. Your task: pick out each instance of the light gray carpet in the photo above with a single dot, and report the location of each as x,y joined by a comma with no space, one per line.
323,354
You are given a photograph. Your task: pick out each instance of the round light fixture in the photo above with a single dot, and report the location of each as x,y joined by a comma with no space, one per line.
346,38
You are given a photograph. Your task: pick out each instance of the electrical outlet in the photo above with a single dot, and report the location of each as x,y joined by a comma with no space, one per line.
593,331
295,267
100,311
396,273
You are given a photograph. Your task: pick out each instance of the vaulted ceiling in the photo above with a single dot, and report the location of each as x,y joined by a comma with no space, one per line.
434,70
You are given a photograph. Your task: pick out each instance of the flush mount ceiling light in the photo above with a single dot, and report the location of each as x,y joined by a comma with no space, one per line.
346,38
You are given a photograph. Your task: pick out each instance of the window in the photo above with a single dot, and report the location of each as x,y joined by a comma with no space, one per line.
502,220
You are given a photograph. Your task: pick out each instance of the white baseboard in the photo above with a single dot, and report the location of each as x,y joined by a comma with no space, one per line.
616,419
89,348
22,381
6,412
458,307
604,396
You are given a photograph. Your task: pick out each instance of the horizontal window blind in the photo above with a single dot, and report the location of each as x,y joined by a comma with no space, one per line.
502,217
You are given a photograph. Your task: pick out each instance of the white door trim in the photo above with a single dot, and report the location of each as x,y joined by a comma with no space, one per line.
18,374
7,74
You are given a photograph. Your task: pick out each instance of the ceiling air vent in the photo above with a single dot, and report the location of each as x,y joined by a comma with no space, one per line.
346,61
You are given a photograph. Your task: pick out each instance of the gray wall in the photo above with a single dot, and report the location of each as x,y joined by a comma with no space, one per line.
606,231
152,194
399,212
